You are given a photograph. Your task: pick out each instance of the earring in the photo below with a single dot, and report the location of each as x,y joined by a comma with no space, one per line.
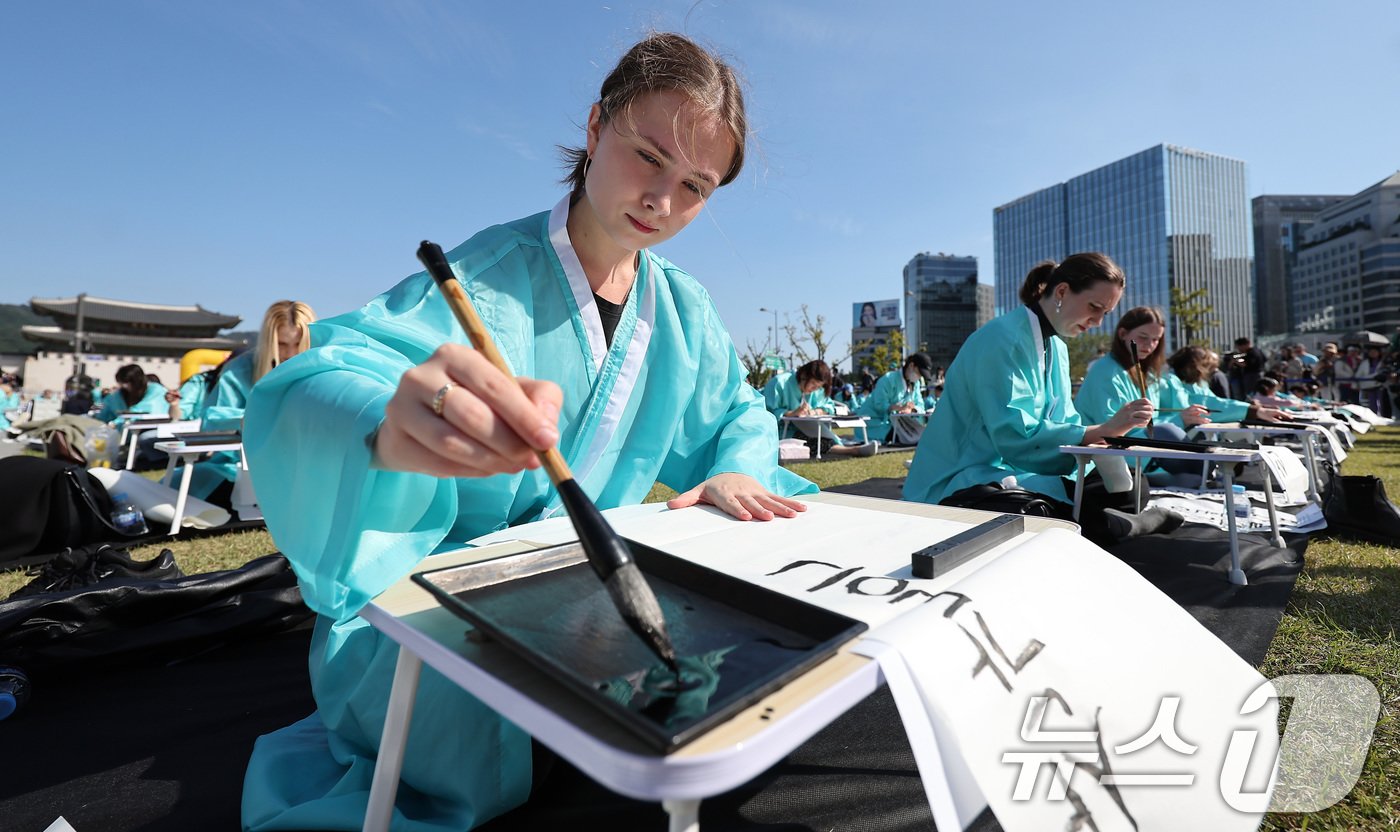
1058,302
586,164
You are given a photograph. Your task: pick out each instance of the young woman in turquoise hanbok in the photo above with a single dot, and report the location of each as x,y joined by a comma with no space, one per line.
134,394
285,333
897,392
1006,407
391,438
803,393
1187,383
1117,379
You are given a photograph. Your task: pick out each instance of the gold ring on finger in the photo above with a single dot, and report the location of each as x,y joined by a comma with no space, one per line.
441,397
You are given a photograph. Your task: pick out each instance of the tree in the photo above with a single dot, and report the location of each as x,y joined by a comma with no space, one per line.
752,357
889,355
812,331
1192,313
1084,349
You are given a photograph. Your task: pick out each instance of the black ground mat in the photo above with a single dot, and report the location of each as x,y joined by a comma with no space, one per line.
1191,566
150,747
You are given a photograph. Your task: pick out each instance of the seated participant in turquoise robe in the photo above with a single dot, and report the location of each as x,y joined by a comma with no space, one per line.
1187,383
351,531
787,393
284,334
803,393
1118,378
900,391
134,394
9,400
1006,406
655,394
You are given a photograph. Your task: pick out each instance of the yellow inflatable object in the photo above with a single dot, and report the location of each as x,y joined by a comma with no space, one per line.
197,361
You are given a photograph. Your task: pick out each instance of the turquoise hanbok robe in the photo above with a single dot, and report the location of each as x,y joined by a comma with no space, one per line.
1005,411
890,391
782,394
222,409
193,395
153,403
667,401
8,401
1108,386
1221,410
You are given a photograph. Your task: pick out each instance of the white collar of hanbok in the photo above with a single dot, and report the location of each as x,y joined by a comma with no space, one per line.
611,388
578,282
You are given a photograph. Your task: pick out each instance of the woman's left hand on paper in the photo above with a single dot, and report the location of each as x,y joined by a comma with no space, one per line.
740,496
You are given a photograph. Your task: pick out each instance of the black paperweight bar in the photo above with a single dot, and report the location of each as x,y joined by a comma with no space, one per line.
946,555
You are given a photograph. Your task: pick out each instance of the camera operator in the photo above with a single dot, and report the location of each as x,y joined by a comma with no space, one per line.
1245,366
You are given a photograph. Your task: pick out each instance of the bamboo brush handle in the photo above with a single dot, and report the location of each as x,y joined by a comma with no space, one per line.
462,308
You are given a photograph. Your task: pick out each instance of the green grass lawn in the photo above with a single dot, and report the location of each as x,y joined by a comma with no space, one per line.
1342,618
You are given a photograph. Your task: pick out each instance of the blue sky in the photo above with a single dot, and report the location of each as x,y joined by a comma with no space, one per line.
235,153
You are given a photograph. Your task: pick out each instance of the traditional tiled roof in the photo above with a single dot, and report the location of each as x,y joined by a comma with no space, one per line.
65,311
52,336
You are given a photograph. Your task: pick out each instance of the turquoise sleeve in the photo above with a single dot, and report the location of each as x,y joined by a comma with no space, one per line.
351,531
1020,430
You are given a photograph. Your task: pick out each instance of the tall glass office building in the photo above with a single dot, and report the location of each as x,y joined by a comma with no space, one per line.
926,324
1170,216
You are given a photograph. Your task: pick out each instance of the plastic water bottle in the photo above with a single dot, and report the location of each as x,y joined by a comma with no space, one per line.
126,517
1241,502
14,690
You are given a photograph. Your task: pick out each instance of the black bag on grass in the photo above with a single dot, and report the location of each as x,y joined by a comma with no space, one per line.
1356,508
120,620
994,496
47,506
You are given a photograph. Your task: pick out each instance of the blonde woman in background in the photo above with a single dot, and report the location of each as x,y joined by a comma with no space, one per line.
285,333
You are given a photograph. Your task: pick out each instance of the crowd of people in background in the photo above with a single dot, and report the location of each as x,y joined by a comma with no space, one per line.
216,397
1288,376
1351,373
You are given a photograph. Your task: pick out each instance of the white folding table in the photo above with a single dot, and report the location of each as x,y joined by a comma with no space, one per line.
133,425
857,422
1228,459
720,760
179,452
1305,435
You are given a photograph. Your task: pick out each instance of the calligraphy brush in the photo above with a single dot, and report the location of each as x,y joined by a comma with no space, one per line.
1141,379
606,551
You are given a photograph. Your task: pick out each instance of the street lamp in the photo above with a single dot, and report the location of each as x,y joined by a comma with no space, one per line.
775,326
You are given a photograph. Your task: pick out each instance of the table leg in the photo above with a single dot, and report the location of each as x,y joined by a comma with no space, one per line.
1308,440
1277,538
387,768
1137,484
685,815
1078,486
132,442
170,460
184,497
1228,476
1205,466
819,440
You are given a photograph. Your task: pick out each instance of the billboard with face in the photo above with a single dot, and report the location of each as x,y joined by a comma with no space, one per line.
875,313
